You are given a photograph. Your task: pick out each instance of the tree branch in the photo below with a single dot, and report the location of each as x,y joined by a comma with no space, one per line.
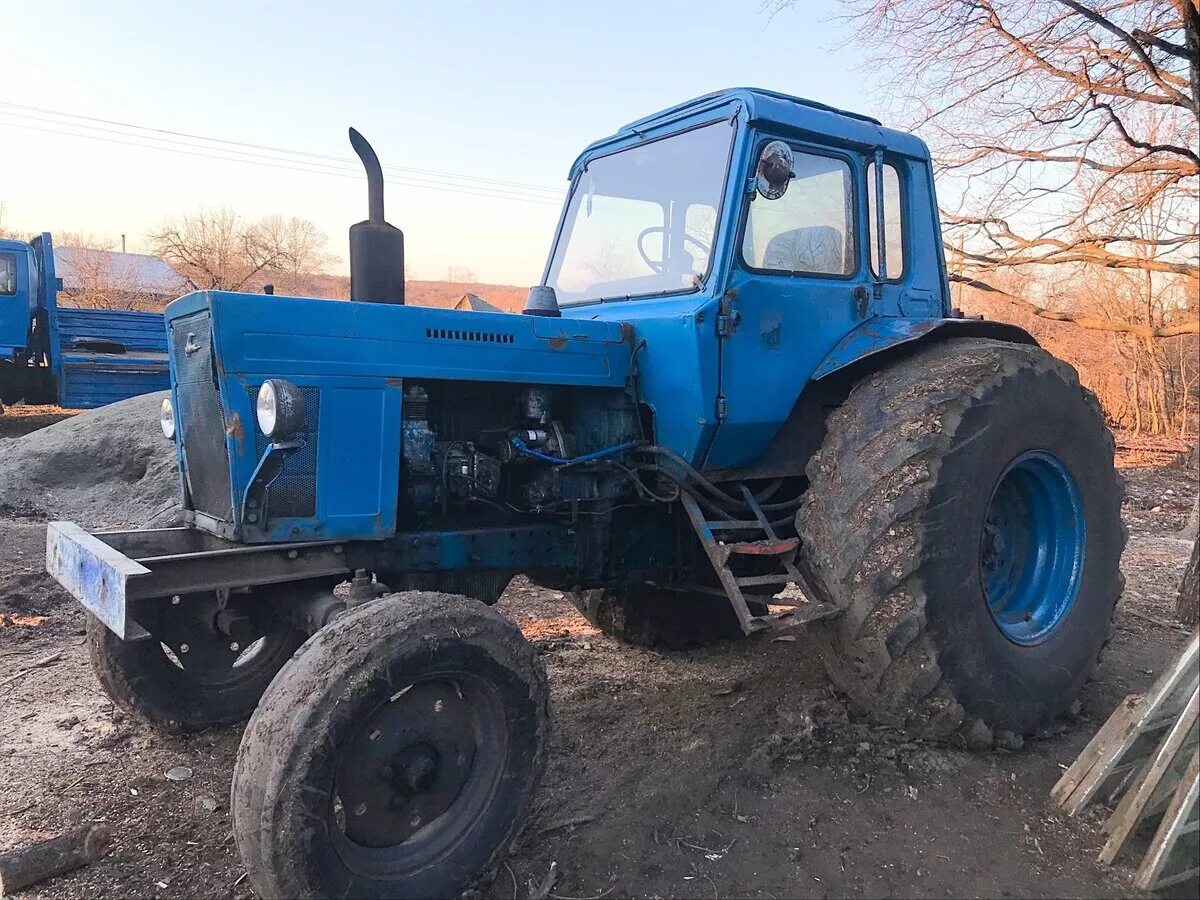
1092,323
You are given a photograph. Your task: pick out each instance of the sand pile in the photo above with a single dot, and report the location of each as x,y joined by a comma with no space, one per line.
108,467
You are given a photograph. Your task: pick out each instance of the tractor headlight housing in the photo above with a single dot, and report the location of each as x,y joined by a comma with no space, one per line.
166,419
280,409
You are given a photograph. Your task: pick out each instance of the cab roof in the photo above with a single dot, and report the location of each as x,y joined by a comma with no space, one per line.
790,113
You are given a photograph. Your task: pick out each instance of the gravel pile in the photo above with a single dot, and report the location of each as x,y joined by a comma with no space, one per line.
108,467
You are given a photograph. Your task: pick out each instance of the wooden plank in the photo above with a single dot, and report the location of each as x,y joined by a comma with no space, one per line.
1107,751
1129,813
1100,744
1123,776
1167,847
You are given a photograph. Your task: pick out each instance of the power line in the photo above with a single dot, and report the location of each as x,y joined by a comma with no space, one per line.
407,182
275,157
283,150
311,168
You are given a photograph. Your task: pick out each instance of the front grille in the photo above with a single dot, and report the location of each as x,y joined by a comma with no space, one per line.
200,418
294,491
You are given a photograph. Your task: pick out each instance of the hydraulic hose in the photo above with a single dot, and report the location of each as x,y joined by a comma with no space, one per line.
524,448
720,495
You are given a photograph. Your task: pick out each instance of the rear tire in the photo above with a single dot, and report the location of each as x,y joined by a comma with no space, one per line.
926,469
395,756
650,616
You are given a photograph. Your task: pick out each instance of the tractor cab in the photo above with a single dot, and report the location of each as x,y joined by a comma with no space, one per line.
757,233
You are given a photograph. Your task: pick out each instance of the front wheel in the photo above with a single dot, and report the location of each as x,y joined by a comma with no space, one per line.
189,674
395,756
964,512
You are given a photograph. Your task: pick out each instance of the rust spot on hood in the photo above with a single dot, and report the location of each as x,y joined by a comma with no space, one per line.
234,430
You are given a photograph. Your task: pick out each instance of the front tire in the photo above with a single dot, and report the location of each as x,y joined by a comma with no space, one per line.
395,756
188,676
964,511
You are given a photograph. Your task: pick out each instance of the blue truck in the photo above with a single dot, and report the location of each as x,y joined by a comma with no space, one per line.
739,401
74,357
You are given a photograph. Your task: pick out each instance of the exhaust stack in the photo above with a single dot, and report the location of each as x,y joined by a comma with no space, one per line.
376,248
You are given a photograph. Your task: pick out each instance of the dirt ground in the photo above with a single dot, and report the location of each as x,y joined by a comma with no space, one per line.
22,419
728,771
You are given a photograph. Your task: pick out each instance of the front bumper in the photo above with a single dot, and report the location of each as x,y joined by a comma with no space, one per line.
110,571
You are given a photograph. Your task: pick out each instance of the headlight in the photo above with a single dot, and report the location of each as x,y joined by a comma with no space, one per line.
280,409
166,419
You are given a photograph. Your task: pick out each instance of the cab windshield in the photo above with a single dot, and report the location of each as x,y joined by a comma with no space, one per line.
642,220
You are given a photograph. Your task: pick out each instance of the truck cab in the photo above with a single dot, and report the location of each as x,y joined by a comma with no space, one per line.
18,297
26,283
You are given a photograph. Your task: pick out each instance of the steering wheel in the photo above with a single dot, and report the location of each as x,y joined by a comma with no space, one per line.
657,267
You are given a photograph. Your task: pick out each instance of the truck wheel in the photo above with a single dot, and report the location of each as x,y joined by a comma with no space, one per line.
395,756
188,677
650,616
964,511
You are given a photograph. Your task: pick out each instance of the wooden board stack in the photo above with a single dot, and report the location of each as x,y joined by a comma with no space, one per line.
1146,759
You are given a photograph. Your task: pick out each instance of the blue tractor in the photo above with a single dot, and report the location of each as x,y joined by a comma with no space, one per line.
740,401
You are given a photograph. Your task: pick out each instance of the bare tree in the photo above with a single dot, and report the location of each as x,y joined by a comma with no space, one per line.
295,249
215,249
1065,123
458,278
1187,602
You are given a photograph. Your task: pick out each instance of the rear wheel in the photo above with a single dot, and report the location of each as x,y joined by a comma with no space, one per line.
191,674
395,756
651,616
964,512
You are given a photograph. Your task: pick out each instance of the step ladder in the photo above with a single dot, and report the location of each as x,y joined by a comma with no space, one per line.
724,540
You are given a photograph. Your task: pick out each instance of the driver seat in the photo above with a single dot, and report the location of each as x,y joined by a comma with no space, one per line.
816,248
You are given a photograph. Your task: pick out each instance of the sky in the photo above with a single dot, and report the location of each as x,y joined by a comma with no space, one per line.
508,92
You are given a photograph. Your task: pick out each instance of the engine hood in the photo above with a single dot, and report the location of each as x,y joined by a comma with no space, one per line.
276,336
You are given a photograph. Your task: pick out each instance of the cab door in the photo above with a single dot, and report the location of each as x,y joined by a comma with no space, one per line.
15,300
798,283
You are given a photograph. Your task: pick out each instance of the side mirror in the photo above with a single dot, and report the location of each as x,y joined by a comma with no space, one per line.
775,170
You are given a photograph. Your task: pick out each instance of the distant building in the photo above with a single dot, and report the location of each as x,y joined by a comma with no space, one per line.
106,279
475,303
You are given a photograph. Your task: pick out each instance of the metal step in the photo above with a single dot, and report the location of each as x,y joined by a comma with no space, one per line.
801,615
783,550
752,580
770,547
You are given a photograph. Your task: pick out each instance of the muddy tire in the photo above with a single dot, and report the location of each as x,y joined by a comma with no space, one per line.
207,685
395,756
649,616
964,511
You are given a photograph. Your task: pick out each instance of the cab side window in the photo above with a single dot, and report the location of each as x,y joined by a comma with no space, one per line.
893,223
8,273
810,229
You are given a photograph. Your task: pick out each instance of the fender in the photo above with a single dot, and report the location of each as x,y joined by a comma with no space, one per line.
864,350
879,335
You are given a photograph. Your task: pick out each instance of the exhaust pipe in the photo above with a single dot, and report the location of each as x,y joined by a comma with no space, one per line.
376,248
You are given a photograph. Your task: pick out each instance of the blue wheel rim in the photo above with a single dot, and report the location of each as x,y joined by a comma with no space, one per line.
1032,548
